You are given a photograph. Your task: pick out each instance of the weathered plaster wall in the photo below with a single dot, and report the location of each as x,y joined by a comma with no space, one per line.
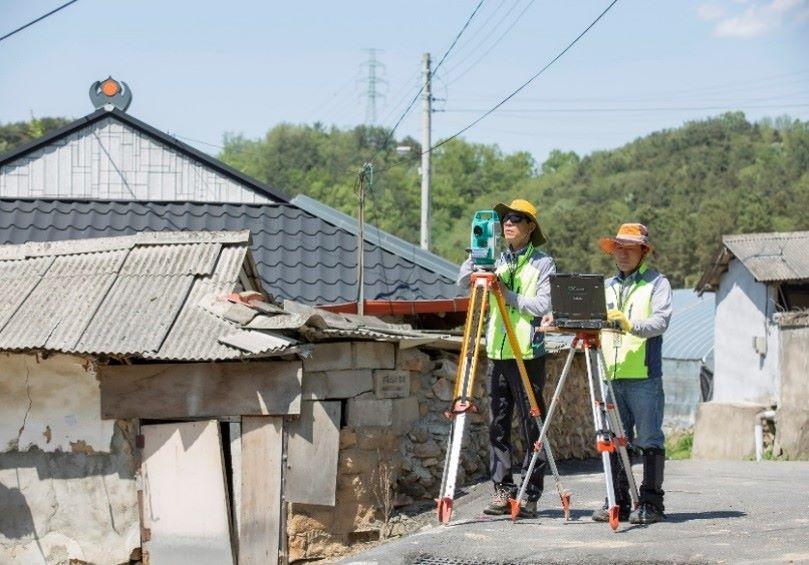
72,496
744,310
51,404
792,418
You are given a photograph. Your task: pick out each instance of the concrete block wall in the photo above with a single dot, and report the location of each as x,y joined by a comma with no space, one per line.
374,380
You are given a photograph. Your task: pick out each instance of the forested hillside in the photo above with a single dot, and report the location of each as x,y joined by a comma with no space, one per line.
689,185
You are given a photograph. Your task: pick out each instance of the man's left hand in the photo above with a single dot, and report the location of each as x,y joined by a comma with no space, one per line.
620,317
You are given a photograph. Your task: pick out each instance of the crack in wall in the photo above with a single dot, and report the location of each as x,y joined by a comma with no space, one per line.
30,404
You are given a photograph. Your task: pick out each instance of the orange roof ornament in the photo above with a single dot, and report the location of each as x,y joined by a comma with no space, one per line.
110,93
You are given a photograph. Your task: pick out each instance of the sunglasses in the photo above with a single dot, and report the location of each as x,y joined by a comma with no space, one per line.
514,218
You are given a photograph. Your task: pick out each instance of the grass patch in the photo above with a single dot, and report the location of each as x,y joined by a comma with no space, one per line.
678,446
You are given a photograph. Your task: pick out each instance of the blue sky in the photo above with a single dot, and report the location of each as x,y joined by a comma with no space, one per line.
200,69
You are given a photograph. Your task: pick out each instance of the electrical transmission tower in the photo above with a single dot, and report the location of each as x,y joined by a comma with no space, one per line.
375,83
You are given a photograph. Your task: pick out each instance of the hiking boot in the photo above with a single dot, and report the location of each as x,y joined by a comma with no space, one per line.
499,504
528,509
603,514
646,513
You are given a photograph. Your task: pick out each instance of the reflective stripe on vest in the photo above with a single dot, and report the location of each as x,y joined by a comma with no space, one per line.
525,281
628,360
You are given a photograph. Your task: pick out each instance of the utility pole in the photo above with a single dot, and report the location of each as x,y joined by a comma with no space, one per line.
366,176
372,82
426,143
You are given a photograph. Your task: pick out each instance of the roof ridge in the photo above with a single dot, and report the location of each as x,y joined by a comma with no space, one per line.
114,243
765,235
391,243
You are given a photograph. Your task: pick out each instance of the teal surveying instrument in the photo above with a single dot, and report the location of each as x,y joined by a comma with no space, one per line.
483,241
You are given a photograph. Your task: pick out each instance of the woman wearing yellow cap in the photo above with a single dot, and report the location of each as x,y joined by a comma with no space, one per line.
524,275
639,300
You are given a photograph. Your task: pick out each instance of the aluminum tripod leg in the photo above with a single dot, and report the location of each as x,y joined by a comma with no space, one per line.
603,438
617,426
462,396
564,494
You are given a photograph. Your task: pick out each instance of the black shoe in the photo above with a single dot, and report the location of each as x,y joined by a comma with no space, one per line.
603,514
528,509
499,504
647,514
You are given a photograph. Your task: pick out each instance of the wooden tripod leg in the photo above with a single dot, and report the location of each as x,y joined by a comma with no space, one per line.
462,397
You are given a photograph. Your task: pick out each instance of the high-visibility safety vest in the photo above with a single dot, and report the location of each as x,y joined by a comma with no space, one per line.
629,356
522,278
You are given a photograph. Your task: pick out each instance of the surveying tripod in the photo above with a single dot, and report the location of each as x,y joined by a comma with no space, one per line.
483,283
610,435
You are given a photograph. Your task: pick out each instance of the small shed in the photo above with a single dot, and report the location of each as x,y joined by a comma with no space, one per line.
756,278
155,404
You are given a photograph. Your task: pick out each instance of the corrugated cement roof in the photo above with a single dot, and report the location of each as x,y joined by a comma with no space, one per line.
690,334
300,255
770,257
137,296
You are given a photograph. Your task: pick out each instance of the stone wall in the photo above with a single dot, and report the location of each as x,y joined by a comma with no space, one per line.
423,449
394,441
369,460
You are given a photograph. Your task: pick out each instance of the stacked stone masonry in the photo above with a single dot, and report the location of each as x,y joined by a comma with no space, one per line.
396,429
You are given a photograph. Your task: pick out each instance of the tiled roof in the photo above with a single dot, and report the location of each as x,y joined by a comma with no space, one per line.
299,255
380,238
131,296
690,334
770,257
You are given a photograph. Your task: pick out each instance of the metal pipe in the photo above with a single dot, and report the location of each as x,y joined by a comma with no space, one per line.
759,431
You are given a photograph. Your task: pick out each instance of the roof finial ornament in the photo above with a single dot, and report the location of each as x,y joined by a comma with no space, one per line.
109,94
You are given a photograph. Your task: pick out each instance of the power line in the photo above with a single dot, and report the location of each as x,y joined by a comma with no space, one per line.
513,93
699,95
39,19
616,110
491,47
403,92
335,95
479,44
473,34
421,89
526,83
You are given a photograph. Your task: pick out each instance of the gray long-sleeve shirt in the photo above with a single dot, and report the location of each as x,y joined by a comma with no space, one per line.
537,305
657,323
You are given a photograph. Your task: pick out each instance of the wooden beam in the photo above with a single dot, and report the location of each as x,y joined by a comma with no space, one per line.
203,390
262,466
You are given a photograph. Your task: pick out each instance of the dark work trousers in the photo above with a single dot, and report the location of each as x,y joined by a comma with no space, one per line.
505,390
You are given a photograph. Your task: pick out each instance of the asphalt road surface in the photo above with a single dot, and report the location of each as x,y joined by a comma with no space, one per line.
718,512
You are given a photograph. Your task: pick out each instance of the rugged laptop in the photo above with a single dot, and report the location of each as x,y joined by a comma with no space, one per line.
578,302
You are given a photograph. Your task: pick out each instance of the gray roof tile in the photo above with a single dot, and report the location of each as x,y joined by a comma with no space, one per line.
299,255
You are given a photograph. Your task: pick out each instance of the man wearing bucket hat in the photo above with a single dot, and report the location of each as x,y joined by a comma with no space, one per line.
523,273
639,301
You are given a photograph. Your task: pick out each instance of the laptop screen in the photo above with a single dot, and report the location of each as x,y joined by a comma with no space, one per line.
578,298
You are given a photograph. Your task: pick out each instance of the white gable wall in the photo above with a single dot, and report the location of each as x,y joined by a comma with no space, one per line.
744,310
112,161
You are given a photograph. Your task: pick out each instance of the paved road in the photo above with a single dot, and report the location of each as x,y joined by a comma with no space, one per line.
725,512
